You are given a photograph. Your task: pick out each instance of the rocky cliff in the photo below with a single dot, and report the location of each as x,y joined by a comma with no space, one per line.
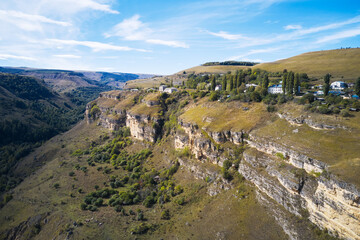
117,109
288,181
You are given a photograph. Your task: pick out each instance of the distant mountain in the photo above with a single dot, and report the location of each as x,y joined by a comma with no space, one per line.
65,80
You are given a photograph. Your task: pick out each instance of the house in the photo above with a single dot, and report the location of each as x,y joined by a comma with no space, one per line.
250,85
338,85
170,90
218,88
134,90
337,93
319,93
162,88
275,89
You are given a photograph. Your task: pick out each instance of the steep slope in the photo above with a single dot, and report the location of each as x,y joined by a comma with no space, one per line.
340,63
31,112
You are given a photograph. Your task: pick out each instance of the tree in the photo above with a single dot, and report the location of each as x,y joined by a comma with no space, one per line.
284,77
327,84
231,84
290,82
357,87
266,82
224,83
297,83
213,83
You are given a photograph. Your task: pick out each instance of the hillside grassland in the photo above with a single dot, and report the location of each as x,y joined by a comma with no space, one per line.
217,116
342,64
213,69
55,195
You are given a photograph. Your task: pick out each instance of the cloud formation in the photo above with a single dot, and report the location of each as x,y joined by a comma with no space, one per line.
28,22
132,29
17,57
95,46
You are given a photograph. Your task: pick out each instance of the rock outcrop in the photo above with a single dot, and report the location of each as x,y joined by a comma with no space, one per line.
111,116
293,181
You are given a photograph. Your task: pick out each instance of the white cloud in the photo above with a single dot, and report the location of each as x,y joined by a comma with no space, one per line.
292,27
71,6
28,22
176,44
67,56
254,51
340,35
132,29
297,34
16,57
95,46
228,36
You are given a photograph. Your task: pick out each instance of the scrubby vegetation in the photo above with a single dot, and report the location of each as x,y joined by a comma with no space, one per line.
137,185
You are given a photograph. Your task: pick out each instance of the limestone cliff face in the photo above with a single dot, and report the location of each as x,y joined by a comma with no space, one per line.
111,116
142,127
324,200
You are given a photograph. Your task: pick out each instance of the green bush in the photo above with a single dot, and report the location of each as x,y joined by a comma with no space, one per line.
165,214
214,96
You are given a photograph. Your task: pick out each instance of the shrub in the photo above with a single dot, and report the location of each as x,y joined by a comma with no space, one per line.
271,108
56,185
165,214
214,96
71,173
227,164
140,229
148,202
345,113
180,201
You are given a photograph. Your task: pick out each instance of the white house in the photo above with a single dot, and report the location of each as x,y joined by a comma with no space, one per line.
275,89
339,85
250,85
162,88
218,88
319,93
170,90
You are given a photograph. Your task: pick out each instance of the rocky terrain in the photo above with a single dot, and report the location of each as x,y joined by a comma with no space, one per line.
288,181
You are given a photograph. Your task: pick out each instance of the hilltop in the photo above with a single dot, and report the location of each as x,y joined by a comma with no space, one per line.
342,64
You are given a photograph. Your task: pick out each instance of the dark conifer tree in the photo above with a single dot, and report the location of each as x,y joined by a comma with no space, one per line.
327,84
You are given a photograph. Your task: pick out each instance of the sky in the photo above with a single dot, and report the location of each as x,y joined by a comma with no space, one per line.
164,37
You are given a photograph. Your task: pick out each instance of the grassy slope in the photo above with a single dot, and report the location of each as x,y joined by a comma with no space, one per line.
202,217
213,69
216,116
339,63
342,64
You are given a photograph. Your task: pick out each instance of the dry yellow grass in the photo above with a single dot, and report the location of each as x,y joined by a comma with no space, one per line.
341,64
216,116
213,69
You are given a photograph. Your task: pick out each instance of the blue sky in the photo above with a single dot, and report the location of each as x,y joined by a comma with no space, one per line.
164,37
